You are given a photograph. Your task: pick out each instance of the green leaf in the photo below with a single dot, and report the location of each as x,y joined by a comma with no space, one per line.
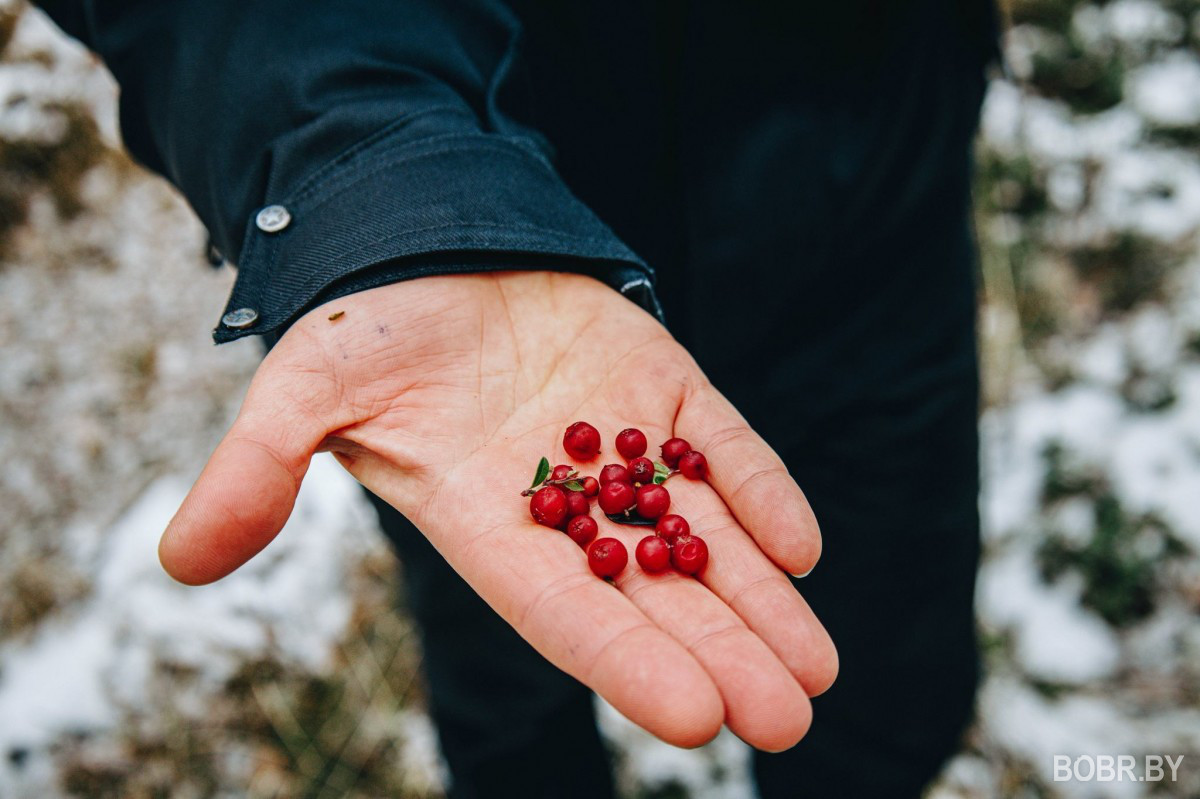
543,471
661,468
574,485
660,478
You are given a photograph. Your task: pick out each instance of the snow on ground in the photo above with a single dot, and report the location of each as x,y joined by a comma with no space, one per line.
76,671
1056,640
1168,92
1089,595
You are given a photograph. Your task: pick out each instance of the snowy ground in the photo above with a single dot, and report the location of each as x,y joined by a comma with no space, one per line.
299,670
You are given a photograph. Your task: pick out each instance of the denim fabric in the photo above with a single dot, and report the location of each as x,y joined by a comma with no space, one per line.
386,128
370,216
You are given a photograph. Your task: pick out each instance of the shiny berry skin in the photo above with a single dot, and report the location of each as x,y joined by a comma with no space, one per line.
614,472
607,557
591,486
616,497
641,470
582,441
689,554
548,506
672,526
653,554
631,443
582,529
560,472
652,501
577,504
693,465
672,449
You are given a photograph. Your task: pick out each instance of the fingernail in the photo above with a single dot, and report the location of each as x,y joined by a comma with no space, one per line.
802,576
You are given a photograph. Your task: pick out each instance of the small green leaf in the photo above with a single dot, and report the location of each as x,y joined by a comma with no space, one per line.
659,479
543,470
661,468
574,485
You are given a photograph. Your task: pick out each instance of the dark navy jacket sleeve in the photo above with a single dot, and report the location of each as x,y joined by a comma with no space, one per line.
379,137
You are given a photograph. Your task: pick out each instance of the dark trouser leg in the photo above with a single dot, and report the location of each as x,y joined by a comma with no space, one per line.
510,724
879,428
845,333
894,588
893,479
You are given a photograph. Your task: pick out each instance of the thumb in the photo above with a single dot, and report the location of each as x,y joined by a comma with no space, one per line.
246,492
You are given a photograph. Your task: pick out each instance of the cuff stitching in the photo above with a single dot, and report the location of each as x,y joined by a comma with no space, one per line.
545,249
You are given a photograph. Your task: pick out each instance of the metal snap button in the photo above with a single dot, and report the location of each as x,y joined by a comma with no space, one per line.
273,219
240,319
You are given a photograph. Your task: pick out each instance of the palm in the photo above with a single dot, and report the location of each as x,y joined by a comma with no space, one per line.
440,395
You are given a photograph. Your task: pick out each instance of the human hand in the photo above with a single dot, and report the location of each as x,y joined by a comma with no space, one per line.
440,395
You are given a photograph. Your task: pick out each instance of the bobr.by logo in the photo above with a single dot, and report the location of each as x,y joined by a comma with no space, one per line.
1115,768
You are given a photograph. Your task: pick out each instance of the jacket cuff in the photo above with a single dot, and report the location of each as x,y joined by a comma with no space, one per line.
396,210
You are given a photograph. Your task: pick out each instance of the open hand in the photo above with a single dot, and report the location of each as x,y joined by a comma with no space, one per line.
440,395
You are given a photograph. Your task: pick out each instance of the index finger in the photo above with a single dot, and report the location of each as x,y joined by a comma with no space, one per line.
752,480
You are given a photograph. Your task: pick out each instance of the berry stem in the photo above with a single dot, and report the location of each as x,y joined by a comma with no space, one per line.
548,482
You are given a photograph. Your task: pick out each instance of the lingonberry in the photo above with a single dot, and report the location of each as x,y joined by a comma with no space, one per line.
577,504
548,506
653,554
672,449
607,557
582,529
582,441
693,465
652,501
614,472
560,472
591,486
672,526
641,470
616,497
631,443
689,554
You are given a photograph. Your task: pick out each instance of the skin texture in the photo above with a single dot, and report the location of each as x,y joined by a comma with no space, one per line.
440,394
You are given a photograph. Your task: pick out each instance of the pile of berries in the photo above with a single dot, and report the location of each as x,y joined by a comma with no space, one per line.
628,494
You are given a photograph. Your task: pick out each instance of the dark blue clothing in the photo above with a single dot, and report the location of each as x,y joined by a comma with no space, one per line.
410,137
797,174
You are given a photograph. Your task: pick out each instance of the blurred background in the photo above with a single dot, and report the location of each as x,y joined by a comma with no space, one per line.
298,675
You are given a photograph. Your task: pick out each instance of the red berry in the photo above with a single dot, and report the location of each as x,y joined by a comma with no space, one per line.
652,501
616,497
582,529
653,554
672,449
641,470
591,486
614,472
631,443
607,557
560,472
582,441
577,504
693,465
672,526
689,554
548,506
